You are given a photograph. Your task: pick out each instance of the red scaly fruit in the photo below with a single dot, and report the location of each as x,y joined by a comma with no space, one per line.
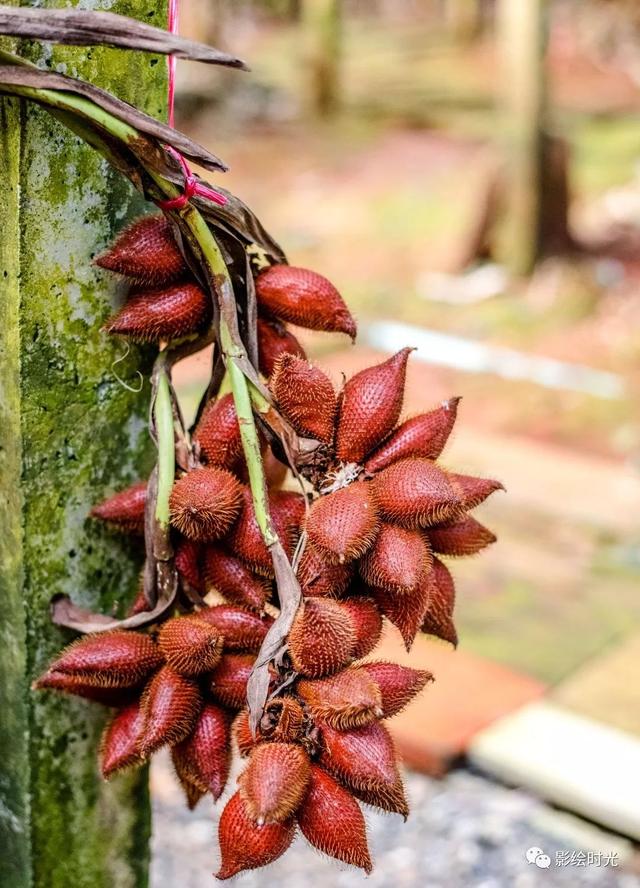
117,659
305,298
190,645
406,612
244,845
77,687
283,720
241,731
370,405
306,397
275,471
398,560
139,605
274,340
125,509
330,819
187,561
171,704
204,757
119,742
346,700
234,580
228,681
438,619
245,537
204,503
398,685
342,525
364,761
242,630
167,313
473,491
287,512
218,433
322,637
415,493
367,623
191,792
321,578
464,537
146,252
424,435
275,781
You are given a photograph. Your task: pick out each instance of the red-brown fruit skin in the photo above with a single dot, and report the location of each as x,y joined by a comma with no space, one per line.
398,685
204,503
228,681
370,405
75,686
218,433
343,525
242,630
191,645
244,845
364,761
459,538
275,781
167,313
234,580
146,252
415,493
367,623
349,699
406,612
330,819
320,578
245,538
283,720
398,561
117,659
204,758
438,618
188,555
125,509
171,704
473,491
306,397
119,742
322,637
241,730
305,298
424,435
274,340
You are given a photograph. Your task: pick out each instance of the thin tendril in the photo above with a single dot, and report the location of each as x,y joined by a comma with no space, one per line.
125,385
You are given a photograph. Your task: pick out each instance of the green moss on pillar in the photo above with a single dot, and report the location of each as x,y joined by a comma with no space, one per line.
70,433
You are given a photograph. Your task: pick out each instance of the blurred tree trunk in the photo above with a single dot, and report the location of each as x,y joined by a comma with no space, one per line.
522,37
463,18
321,25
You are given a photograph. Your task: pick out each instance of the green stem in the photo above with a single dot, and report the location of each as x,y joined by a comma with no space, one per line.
163,415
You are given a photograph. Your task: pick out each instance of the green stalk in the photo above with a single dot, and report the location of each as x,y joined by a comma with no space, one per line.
163,415
242,393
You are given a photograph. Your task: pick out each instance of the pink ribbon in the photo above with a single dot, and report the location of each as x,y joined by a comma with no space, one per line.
191,184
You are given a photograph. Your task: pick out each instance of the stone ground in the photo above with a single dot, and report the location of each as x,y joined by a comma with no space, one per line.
463,832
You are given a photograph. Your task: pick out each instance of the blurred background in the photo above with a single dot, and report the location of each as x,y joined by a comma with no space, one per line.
467,172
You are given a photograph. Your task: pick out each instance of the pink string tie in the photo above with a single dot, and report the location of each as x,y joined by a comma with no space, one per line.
191,185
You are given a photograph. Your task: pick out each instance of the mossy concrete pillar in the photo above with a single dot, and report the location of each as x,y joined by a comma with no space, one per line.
70,433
